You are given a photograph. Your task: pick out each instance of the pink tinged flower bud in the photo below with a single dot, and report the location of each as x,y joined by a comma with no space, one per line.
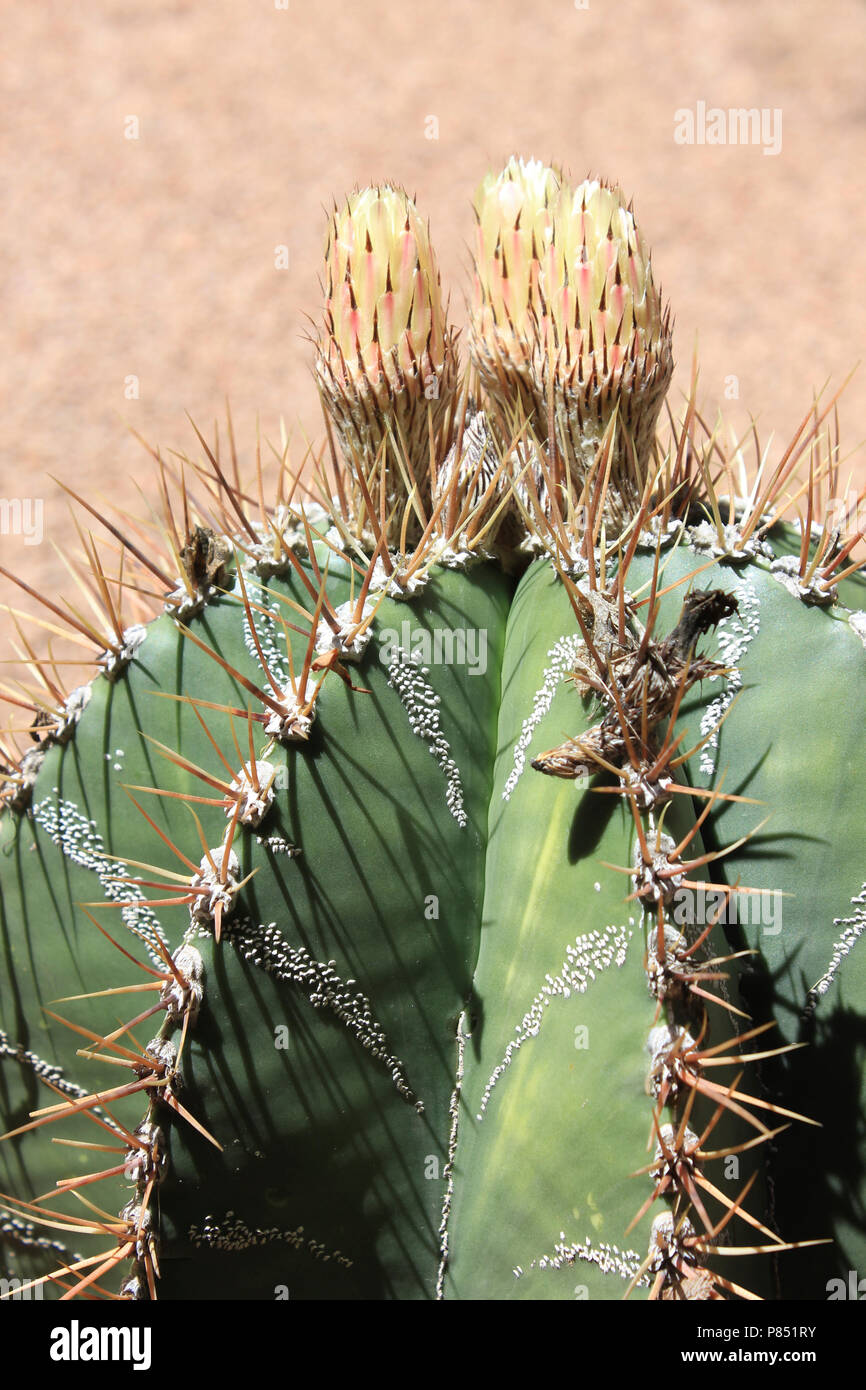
567,312
611,342
513,244
386,362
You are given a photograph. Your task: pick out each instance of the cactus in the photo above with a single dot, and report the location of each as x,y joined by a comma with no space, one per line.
447,885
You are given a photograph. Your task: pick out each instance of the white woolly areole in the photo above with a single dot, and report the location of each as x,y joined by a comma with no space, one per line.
203,909
787,571
113,662
255,801
453,555
381,580
655,878
184,603
668,1237
164,1052
150,1162
857,621
659,1044
646,793
668,1137
182,999
75,705
706,540
289,724
269,556
348,642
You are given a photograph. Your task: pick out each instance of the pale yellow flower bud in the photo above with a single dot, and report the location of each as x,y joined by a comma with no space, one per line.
386,363
513,241
605,336
567,316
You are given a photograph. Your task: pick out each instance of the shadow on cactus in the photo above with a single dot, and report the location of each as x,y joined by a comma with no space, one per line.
446,884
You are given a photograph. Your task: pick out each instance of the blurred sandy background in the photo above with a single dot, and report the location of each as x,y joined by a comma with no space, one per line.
155,257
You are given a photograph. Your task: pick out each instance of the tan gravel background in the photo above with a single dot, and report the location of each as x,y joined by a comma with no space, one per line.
154,257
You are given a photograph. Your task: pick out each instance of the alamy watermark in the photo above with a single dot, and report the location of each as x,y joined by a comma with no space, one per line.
20,1290
441,646
738,125
846,513
853,1288
77,1343
22,516
701,906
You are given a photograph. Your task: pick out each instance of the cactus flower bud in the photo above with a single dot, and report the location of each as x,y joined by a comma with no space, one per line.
513,241
605,337
386,363
567,313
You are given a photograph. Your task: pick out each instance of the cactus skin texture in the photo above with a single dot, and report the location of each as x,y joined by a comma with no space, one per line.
340,906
